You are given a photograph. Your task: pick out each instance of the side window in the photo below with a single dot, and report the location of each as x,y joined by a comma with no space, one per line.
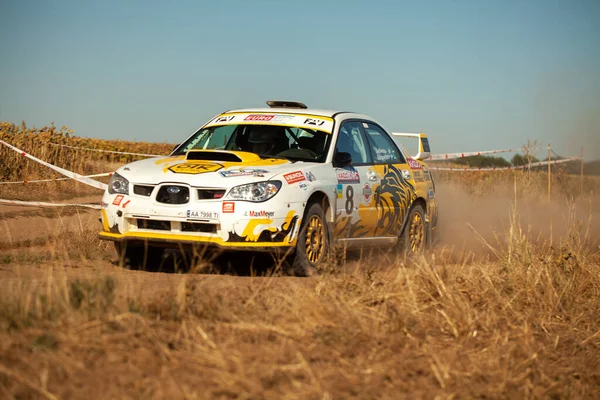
382,147
350,140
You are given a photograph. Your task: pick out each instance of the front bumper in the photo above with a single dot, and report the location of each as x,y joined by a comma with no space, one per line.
235,225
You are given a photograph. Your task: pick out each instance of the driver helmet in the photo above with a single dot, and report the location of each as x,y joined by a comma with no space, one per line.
262,138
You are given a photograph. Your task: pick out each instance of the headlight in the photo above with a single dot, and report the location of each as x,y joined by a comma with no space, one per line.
118,184
259,191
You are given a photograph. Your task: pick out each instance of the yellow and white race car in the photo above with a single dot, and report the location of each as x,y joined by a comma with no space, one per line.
284,178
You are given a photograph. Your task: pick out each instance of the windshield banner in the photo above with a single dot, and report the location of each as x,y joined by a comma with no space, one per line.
307,121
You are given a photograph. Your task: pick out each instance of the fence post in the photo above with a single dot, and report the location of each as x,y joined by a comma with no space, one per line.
548,172
581,183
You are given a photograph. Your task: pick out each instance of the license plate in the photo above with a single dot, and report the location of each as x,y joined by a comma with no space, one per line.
202,214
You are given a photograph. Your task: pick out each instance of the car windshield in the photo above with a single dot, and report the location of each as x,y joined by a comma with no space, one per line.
267,141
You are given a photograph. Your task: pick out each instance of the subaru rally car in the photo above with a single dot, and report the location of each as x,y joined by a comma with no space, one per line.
284,178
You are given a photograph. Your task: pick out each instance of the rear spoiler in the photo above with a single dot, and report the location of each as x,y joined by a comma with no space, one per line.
423,152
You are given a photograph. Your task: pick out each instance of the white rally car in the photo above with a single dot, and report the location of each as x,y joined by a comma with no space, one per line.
284,178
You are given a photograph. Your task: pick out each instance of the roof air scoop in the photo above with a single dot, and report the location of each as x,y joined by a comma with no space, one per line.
286,104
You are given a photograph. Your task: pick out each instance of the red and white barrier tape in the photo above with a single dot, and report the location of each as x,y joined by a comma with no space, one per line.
72,175
106,151
453,156
44,204
536,164
53,179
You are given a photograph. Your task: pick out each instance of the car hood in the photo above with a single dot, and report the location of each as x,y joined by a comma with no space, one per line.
222,169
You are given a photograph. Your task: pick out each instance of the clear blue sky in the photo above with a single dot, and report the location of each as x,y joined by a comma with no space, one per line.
475,75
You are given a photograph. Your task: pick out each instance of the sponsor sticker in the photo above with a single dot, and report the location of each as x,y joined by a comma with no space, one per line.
228,207
367,192
196,168
313,121
202,214
293,177
310,176
259,117
347,175
427,174
413,164
225,118
259,214
118,199
243,172
339,191
303,185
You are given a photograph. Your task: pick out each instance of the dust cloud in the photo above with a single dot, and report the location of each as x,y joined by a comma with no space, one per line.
466,222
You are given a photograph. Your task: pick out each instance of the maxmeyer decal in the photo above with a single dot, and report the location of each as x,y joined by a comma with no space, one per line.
413,164
347,175
189,168
243,172
293,177
261,214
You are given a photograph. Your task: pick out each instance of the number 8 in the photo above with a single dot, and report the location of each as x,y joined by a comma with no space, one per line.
349,199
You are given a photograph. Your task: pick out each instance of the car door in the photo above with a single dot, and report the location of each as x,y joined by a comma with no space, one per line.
393,191
351,179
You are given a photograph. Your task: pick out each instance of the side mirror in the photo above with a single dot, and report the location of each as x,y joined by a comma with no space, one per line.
342,159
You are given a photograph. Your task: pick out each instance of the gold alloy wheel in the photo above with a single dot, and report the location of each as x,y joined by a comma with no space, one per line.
416,234
315,239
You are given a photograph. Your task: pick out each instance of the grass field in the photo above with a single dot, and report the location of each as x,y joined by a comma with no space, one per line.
505,305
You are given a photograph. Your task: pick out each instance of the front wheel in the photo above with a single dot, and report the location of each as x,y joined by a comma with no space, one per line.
313,244
414,238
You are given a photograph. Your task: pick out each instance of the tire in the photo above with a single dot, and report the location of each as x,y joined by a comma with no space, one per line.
416,234
313,244
139,256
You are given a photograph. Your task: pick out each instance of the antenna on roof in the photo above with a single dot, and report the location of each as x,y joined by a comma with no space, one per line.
285,104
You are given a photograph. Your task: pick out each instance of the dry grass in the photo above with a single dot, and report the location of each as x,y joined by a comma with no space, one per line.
522,322
514,314
13,167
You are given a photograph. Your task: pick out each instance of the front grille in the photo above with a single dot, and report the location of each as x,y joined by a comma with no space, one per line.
154,224
209,194
193,227
172,194
143,190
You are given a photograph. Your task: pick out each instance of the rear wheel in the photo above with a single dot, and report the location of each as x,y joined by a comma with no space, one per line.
414,238
312,246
